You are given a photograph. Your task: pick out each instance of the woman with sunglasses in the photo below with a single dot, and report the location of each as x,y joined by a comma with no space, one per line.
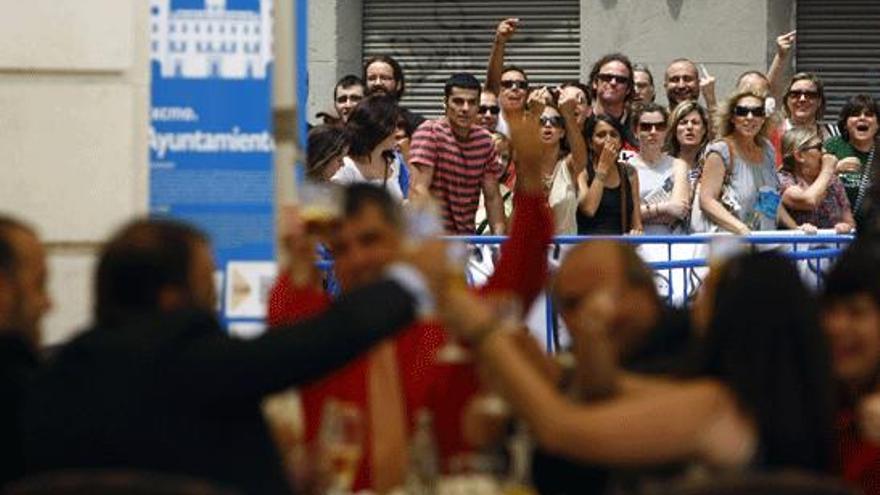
663,180
564,156
745,160
608,188
804,105
689,127
855,148
372,127
810,189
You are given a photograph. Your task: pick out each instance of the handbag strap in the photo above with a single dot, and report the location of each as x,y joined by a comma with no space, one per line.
866,179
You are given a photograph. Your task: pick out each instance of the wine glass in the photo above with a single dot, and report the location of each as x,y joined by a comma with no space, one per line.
341,444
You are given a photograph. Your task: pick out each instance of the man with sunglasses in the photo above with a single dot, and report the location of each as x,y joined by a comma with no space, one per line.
612,85
453,159
489,110
510,83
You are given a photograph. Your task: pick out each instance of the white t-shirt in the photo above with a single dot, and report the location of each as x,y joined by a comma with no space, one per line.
349,173
655,186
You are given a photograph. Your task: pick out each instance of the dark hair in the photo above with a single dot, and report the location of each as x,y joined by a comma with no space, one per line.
348,81
820,88
9,257
765,344
142,258
409,121
514,68
395,68
371,121
463,80
325,142
614,57
648,107
590,128
573,83
856,271
359,195
855,106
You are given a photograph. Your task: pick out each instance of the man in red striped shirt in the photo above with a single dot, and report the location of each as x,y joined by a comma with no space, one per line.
454,160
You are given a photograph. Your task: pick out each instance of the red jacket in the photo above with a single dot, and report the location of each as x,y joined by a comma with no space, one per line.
444,389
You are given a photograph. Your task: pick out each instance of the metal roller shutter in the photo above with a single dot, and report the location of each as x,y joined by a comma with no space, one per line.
840,41
433,39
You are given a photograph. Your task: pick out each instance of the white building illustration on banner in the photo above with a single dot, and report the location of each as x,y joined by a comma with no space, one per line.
211,43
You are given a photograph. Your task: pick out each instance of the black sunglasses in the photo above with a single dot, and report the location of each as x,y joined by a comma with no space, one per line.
555,121
744,111
510,84
613,78
493,109
650,126
797,94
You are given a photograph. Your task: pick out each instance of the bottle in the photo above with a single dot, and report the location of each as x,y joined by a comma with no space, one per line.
424,469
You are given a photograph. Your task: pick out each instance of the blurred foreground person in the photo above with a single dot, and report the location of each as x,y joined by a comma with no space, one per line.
158,385
851,317
392,384
23,303
760,398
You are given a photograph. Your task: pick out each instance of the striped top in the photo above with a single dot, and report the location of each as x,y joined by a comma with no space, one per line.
459,168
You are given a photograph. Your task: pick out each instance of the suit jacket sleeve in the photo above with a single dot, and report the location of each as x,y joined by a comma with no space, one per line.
215,366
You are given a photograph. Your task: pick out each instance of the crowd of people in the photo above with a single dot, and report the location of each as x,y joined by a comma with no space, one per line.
747,163
760,376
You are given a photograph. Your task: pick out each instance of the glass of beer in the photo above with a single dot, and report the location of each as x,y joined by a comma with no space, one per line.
320,208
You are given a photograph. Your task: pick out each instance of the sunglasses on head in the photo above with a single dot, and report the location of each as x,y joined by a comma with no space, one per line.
650,126
493,109
744,111
510,84
555,121
797,94
613,78
345,98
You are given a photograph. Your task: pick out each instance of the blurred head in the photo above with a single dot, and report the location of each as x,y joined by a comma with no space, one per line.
502,149
682,82
326,147
765,344
600,130
369,238
614,270
688,127
858,119
384,75
805,99
372,125
349,91
643,84
611,79
802,152
489,110
462,101
649,122
24,298
514,89
754,81
154,266
851,316
581,93
744,113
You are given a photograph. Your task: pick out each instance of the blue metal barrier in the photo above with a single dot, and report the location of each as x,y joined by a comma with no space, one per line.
827,247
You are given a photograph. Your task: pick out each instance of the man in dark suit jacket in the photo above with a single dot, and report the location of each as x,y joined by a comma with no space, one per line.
23,303
157,385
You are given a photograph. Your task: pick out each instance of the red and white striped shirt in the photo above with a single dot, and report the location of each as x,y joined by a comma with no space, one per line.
459,168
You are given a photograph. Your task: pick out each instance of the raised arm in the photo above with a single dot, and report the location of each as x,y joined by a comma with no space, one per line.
711,182
784,43
503,33
577,159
